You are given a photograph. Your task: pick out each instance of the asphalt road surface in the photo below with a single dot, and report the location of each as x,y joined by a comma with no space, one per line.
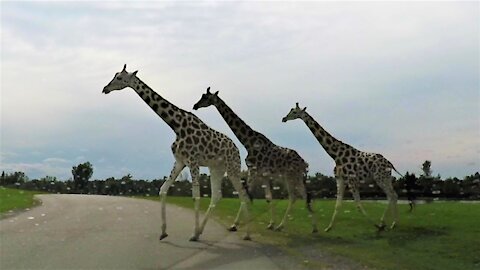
103,232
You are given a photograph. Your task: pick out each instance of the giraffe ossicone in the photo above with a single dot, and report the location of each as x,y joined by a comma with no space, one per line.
265,160
352,166
195,145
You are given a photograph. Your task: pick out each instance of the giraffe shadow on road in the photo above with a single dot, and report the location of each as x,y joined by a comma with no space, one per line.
231,253
189,245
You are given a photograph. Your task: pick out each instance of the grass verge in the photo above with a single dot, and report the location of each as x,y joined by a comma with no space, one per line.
15,199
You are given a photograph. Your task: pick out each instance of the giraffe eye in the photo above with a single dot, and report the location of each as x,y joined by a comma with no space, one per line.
118,78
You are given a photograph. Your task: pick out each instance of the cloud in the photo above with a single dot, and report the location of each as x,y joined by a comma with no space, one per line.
54,160
39,169
376,75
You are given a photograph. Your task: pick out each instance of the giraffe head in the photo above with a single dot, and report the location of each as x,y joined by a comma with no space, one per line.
121,80
295,113
206,100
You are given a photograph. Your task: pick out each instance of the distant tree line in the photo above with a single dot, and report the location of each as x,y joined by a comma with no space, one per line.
425,186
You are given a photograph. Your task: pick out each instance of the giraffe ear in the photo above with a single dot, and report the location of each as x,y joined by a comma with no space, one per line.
208,90
216,93
124,67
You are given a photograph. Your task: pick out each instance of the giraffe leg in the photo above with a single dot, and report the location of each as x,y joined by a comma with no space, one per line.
305,196
356,197
385,184
216,190
177,168
392,198
291,201
234,176
236,222
269,198
245,204
354,188
194,171
340,192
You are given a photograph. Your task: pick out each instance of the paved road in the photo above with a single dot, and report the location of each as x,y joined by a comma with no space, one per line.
102,232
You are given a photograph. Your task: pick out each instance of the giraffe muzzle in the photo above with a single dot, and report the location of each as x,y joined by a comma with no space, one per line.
105,90
284,119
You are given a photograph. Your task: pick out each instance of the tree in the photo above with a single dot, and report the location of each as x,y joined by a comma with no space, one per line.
81,175
15,178
3,179
426,168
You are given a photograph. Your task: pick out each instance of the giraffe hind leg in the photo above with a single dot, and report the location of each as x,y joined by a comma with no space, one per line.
356,196
291,202
216,193
307,197
269,198
386,185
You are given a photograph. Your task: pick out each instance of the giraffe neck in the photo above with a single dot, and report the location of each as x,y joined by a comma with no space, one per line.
245,134
328,142
171,114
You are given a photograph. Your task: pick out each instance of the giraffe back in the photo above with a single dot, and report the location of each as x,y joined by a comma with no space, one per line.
197,143
276,160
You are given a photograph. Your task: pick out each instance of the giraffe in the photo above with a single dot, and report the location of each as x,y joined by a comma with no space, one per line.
265,160
351,167
196,145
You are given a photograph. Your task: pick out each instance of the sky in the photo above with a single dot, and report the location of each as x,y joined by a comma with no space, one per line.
396,78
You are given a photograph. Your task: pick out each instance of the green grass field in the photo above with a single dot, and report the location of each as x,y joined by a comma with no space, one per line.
440,235
15,199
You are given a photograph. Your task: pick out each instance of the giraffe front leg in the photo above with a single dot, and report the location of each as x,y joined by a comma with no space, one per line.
340,192
194,171
177,168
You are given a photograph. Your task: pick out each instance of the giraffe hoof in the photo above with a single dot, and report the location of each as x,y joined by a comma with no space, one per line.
270,226
315,230
163,236
247,238
193,238
278,228
232,228
393,226
380,227
328,229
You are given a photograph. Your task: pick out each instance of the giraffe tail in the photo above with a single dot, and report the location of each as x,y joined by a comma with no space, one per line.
393,167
